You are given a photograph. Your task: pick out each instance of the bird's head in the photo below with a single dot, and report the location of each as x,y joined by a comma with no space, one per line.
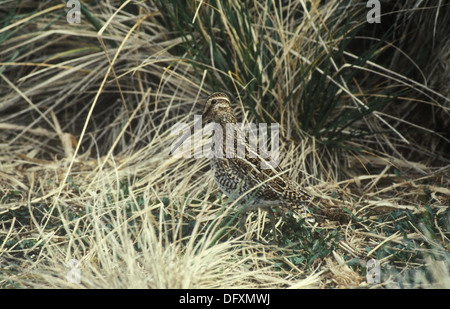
217,108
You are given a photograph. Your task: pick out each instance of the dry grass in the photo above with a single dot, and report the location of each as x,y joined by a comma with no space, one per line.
85,171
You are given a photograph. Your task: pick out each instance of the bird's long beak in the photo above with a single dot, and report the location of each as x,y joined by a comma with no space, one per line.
196,127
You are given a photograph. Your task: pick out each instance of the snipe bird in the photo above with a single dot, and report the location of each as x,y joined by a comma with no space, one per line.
244,177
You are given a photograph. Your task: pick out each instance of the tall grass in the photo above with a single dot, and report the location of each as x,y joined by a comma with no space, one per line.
86,112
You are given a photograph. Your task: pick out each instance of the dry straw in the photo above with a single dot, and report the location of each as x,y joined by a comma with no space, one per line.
85,118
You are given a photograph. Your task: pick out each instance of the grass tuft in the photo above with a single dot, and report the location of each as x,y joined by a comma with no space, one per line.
86,114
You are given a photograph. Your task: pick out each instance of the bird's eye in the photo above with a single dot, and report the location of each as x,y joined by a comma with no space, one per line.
214,101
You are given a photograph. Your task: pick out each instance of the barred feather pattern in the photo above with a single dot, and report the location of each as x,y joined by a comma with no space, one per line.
242,177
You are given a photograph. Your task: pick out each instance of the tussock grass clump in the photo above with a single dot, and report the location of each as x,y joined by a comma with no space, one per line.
87,110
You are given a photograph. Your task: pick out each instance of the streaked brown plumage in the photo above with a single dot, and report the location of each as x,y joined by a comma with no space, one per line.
242,177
